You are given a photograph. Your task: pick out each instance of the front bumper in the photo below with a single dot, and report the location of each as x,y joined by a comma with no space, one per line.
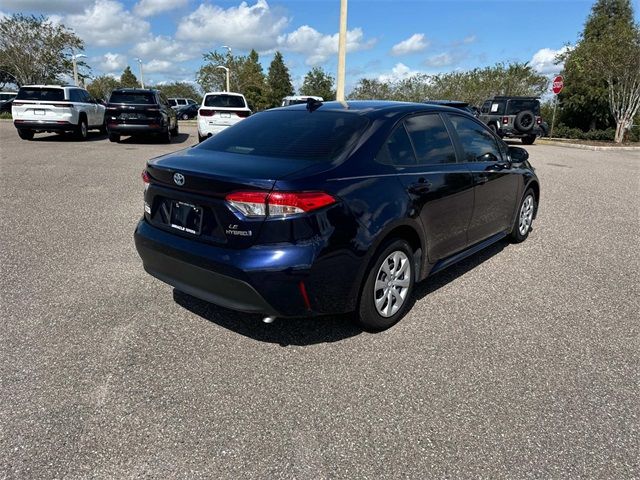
260,279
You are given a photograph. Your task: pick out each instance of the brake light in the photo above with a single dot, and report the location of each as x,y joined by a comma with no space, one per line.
206,113
145,177
243,114
278,204
538,120
17,104
61,105
505,120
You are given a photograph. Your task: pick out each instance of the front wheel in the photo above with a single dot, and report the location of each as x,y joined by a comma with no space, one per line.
25,134
114,137
82,130
524,221
386,293
185,116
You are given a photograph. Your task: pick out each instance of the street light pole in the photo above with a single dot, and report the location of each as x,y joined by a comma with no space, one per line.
342,51
226,70
141,77
74,60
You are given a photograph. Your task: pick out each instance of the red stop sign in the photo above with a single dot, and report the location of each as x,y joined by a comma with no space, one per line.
558,84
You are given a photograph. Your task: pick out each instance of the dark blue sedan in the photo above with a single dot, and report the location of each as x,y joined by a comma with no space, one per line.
332,208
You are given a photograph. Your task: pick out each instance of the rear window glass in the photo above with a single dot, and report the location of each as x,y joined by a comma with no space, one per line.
228,101
138,98
516,106
317,136
47,94
6,96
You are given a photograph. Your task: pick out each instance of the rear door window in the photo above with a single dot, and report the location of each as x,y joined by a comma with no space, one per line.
135,98
430,140
46,94
181,101
397,150
477,142
224,101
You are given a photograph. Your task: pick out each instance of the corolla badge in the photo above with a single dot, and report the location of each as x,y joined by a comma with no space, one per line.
178,178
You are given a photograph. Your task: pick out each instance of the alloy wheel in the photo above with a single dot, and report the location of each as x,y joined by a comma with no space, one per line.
526,215
392,283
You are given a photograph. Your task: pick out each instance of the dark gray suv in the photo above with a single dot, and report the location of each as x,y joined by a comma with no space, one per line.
513,117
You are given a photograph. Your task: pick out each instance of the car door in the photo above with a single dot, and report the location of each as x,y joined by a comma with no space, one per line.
91,108
440,188
495,182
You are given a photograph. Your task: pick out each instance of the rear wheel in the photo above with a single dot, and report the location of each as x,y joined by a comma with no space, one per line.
528,140
386,293
25,134
201,138
165,137
175,131
524,221
185,116
82,130
114,137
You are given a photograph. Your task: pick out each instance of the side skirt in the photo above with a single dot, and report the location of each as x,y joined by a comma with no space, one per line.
447,262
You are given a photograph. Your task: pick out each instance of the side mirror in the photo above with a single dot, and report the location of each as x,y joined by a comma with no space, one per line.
518,155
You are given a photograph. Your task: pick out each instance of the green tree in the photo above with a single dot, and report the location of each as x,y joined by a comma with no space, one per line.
213,79
102,86
278,81
319,83
372,89
608,53
34,50
180,90
252,82
128,79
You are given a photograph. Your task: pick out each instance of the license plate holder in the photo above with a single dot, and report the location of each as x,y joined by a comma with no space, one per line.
39,111
185,217
225,115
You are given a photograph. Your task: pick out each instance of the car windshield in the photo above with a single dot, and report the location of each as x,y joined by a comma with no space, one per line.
138,98
6,96
516,106
228,101
293,134
41,93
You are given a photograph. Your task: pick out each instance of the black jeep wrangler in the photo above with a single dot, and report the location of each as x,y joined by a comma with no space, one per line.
513,117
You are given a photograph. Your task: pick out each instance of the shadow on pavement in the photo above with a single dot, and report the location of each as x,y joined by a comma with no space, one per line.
150,139
322,329
92,136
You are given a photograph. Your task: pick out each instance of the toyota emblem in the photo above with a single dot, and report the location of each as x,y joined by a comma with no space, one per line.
178,178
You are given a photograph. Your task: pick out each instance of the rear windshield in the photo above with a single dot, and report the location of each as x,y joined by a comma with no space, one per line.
297,134
228,101
6,96
516,106
40,93
138,98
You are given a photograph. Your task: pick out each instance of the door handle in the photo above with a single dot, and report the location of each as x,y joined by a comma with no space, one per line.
420,187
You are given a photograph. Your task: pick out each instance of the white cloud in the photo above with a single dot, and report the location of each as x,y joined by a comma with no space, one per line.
165,48
45,6
469,39
319,47
415,43
158,66
146,8
399,72
244,27
107,23
111,62
441,60
544,60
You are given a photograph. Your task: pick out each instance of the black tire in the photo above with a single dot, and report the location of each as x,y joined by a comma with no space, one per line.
25,134
82,130
114,137
524,121
103,129
517,234
185,116
528,139
201,138
165,137
176,131
367,314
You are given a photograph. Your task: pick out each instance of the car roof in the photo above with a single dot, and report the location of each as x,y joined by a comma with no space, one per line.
137,90
509,97
458,103
224,93
374,108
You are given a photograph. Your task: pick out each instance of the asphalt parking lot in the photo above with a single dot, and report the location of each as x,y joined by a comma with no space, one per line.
521,362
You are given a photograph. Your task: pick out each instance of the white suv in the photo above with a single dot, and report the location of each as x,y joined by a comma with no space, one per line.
52,108
220,110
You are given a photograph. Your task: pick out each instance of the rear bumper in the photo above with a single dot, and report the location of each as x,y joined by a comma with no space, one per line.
133,129
513,133
260,279
44,125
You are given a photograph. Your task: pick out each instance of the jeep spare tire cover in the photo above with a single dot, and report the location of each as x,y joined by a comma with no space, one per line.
524,121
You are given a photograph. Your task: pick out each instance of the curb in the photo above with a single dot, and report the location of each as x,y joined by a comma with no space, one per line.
595,148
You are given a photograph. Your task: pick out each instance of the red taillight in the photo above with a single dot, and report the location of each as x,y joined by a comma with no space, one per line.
538,120
505,120
17,104
278,204
61,105
206,113
145,177
243,114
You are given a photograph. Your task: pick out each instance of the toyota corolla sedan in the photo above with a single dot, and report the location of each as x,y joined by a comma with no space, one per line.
332,207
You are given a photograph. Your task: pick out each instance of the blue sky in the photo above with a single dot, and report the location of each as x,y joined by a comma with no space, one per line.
388,39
